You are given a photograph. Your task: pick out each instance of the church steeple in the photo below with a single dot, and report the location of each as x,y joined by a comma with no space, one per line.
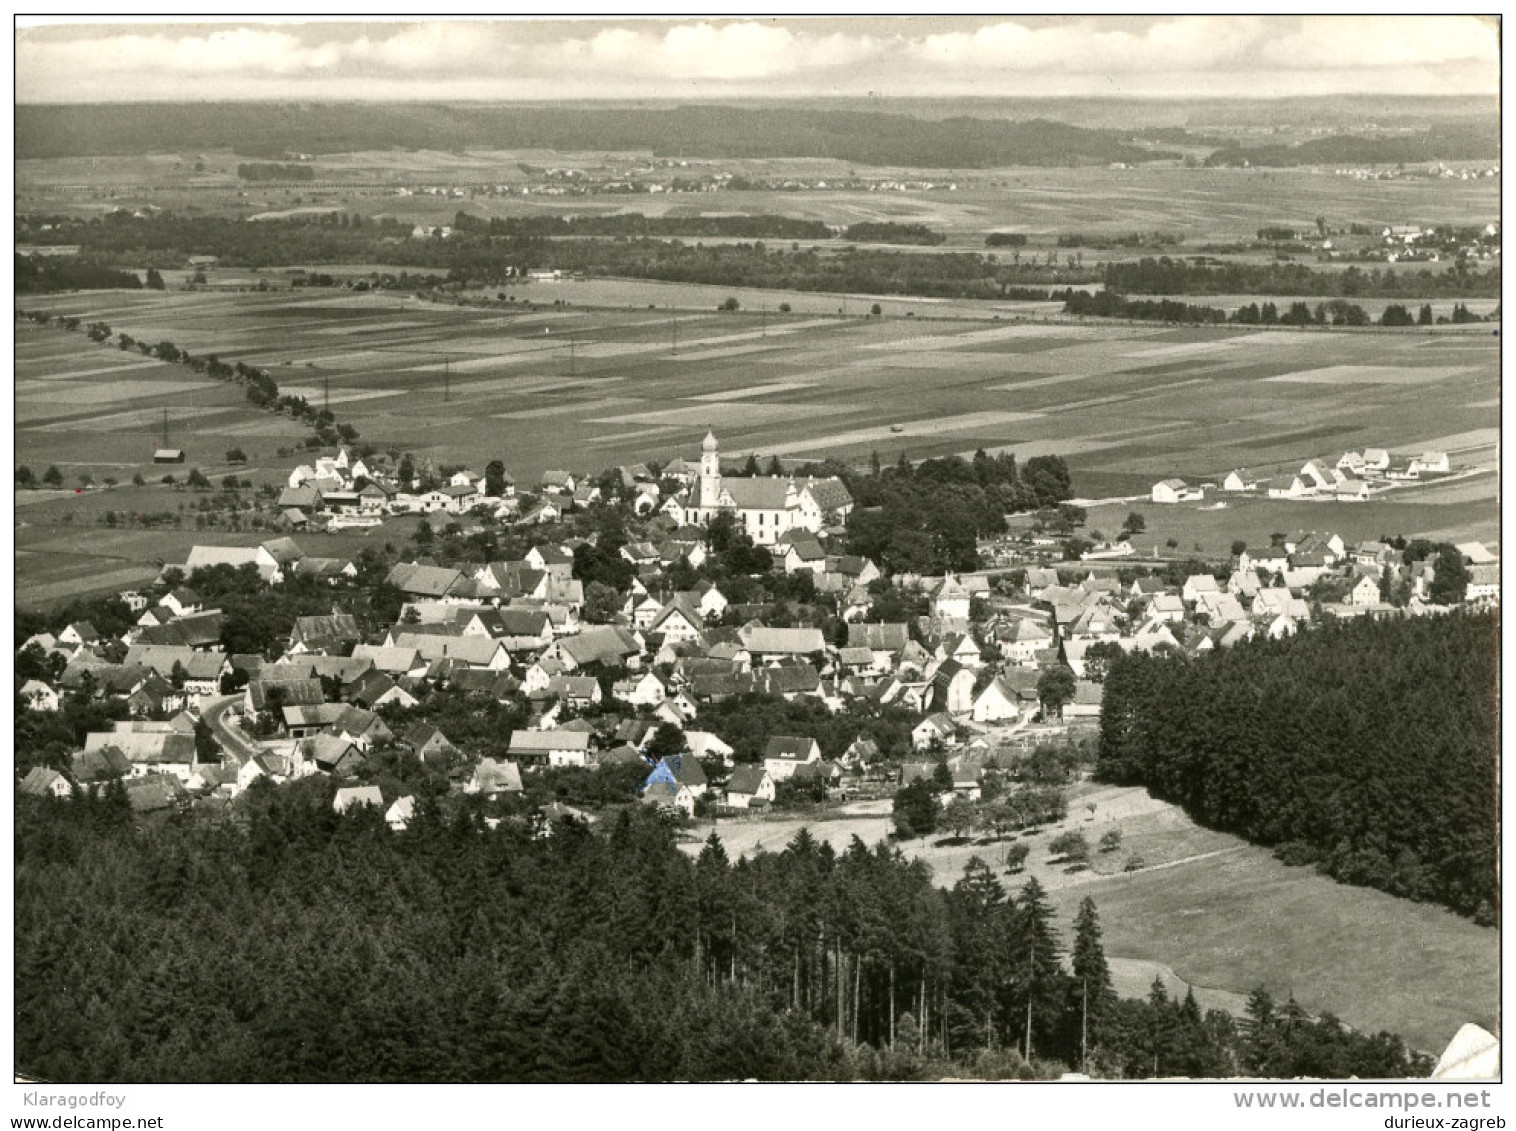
710,472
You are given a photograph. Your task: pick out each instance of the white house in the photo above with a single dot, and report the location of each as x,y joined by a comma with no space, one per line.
785,752
1435,463
1176,491
748,784
39,696
1234,482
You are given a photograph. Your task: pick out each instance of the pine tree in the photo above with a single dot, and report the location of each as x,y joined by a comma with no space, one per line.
1092,977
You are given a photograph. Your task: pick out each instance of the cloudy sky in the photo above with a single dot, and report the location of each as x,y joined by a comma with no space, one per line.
724,57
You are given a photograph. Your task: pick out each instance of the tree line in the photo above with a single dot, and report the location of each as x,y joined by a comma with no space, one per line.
1366,747
1169,276
282,942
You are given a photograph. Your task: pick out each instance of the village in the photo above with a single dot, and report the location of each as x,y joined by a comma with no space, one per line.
954,679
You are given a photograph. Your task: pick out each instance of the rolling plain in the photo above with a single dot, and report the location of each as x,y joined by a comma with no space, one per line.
588,376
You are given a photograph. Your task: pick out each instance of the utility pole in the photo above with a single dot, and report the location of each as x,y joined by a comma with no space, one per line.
571,355
165,427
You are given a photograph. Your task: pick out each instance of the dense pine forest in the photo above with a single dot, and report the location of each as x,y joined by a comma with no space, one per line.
281,942
1368,747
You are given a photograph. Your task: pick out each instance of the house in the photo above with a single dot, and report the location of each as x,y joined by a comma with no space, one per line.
704,744
332,754
41,781
997,702
933,729
800,550
181,602
749,784
648,691
1289,487
427,742
352,795
1315,474
1365,592
152,752
38,696
1431,462
679,622
265,563
1376,461
100,765
1086,701
784,752
399,815
950,598
765,643
1484,582
1475,553
1235,482
168,455
1197,584
492,778
669,797
1351,491
680,769
549,748
952,688
1176,491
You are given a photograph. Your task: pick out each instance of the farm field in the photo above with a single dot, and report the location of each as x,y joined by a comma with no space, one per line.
591,388
1203,205
1243,919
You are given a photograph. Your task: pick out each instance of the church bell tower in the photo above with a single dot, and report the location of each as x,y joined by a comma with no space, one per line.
710,472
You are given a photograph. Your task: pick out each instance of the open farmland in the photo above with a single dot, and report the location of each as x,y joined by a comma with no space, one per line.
1204,205
589,388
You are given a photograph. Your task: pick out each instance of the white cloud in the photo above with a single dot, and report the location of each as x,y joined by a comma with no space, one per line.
647,58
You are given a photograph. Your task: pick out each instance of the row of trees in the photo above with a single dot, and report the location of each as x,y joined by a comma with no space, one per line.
1368,747
1168,276
291,944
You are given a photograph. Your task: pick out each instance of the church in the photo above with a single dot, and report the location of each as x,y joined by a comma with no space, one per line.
766,507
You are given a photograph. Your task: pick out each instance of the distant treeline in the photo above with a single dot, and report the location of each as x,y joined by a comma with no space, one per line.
42,274
273,128
1167,276
893,233
273,171
1469,140
755,227
1369,747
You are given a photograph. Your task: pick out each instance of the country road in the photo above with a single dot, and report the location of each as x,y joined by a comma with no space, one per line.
231,738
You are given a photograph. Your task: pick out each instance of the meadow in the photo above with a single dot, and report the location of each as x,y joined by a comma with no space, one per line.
1207,910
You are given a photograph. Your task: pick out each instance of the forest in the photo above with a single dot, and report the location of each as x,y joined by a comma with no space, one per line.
274,129
1365,747
46,274
278,941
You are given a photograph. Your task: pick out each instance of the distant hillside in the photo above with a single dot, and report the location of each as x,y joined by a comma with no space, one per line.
1464,141
272,129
